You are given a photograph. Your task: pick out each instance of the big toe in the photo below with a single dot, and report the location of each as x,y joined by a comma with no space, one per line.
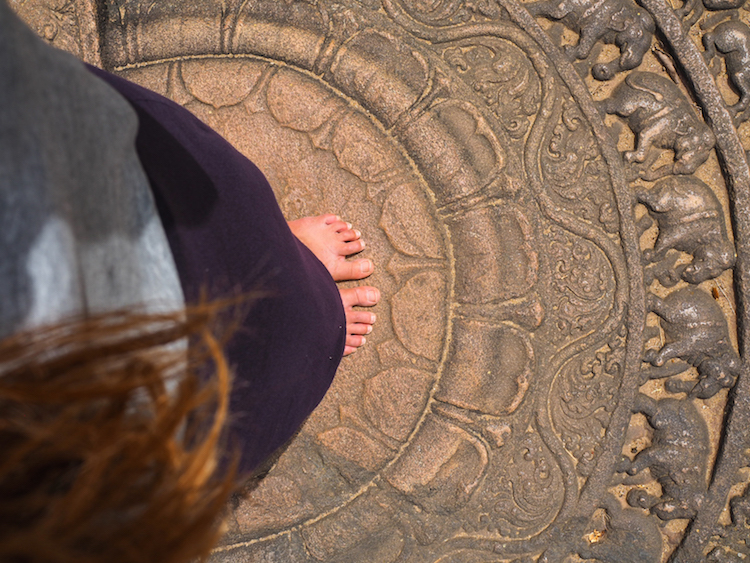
363,296
351,270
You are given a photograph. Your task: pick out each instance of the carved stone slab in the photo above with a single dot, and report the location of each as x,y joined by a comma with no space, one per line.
557,197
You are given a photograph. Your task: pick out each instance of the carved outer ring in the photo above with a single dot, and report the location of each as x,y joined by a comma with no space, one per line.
735,166
594,488
597,484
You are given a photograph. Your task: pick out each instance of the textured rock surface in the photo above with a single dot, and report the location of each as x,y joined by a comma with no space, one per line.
552,193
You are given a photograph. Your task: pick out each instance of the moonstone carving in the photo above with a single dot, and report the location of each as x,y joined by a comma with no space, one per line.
558,204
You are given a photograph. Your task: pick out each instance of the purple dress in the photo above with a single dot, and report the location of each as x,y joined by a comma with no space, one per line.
228,236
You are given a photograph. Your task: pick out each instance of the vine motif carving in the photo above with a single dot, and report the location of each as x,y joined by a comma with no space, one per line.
522,496
502,75
447,12
574,170
582,281
583,399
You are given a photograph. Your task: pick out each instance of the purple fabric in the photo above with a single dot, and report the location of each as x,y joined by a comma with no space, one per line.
228,235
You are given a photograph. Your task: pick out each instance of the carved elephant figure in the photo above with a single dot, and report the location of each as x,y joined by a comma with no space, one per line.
714,5
661,116
629,536
698,6
732,39
691,220
619,22
677,457
695,331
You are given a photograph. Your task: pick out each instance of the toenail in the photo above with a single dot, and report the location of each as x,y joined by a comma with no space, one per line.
371,295
365,267
363,341
348,225
369,329
357,233
373,318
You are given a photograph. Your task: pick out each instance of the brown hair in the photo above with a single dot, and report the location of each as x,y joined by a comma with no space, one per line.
109,440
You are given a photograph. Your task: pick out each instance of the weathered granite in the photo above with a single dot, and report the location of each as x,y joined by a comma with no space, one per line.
553,193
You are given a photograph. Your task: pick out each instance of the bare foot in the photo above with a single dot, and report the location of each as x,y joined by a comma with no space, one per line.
358,323
332,240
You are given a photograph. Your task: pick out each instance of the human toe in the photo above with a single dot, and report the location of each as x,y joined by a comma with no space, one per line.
353,247
360,317
358,328
355,340
338,226
330,218
363,296
348,234
355,270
